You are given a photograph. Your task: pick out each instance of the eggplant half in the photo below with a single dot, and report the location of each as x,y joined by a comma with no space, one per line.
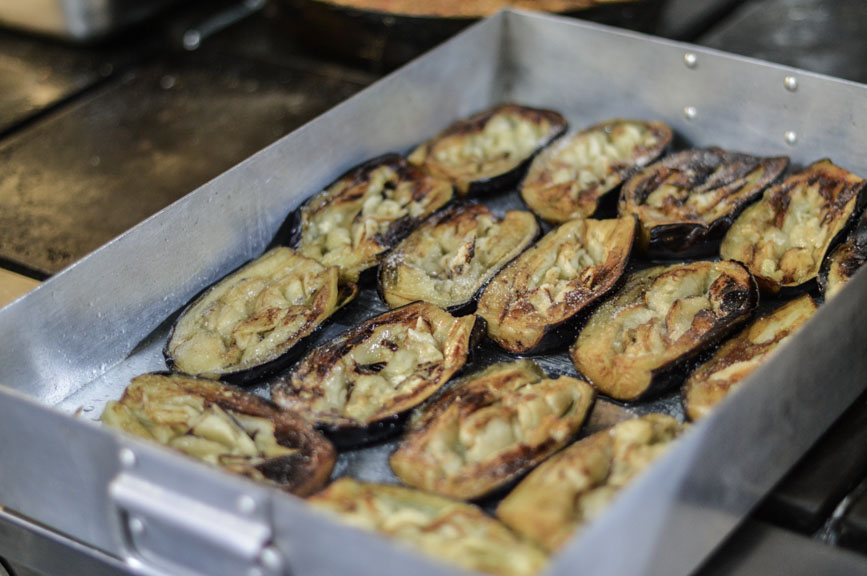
784,237
532,301
450,258
632,344
359,384
687,201
573,488
844,260
449,531
489,151
489,428
226,427
364,213
255,320
568,179
713,380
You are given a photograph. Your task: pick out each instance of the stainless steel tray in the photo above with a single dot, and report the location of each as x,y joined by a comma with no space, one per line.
78,20
75,341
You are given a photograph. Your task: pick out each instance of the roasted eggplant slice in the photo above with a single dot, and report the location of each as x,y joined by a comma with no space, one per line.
739,356
363,380
842,263
450,531
226,427
449,258
568,179
254,321
574,487
537,295
784,237
489,151
687,201
632,343
489,428
364,213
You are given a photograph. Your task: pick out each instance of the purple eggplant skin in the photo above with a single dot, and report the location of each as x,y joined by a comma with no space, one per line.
256,374
456,208
496,182
706,170
844,259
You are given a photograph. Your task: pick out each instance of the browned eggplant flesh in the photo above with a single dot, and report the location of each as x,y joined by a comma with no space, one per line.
844,260
379,369
784,237
449,258
450,531
226,427
366,212
686,201
255,317
489,428
574,487
554,280
662,316
738,357
568,179
488,151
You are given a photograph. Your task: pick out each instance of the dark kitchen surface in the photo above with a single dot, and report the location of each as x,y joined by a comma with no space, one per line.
93,140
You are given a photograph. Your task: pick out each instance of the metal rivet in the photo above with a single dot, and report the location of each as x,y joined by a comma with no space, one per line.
690,60
246,504
690,112
136,526
791,83
127,457
271,559
790,137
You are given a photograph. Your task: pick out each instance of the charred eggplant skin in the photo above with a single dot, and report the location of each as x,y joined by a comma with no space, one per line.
842,262
249,374
302,472
555,273
570,178
469,177
736,359
638,342
425,195
686,202
534,416
359,386
784,237
484,244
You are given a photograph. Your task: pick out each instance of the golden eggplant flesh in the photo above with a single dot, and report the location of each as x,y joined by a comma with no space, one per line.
715,379
574,487
568,179
784,237
844,260
453,532
256,319
489,428
225,427
633,344
687,201
489,151
364,213
447,260
537,296
363,380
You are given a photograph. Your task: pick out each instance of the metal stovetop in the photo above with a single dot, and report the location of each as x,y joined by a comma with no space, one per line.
95,139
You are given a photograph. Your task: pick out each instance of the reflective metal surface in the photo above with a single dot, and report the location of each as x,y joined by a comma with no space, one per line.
76,340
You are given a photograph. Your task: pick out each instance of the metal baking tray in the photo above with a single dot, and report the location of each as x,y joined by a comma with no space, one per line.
77,20
73,343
